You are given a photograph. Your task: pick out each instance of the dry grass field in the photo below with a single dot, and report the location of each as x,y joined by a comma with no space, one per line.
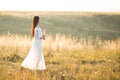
66,58
84,46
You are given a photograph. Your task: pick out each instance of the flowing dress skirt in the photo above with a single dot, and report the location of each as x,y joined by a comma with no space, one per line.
35,58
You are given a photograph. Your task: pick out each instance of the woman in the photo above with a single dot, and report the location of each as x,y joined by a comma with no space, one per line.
35,59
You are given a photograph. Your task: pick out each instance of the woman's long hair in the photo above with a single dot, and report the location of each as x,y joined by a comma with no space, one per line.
34,24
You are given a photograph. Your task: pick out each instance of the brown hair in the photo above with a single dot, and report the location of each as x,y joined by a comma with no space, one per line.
34,24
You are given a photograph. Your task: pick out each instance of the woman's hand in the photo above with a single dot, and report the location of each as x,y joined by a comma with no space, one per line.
43,37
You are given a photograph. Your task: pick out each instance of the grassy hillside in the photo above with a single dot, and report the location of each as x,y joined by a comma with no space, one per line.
66,57
106,26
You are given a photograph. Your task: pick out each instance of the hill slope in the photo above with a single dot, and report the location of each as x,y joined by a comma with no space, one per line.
105,26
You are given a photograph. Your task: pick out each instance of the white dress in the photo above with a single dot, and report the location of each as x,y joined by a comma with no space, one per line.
35,58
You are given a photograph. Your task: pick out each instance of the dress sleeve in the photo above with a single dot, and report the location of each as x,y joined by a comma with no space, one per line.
38,33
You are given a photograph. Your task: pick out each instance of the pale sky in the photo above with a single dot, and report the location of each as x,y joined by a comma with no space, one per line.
60,5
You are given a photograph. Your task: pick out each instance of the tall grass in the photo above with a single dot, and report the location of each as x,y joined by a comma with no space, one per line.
66,58
59,42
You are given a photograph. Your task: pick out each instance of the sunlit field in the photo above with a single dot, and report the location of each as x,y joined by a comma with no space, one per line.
68,55
65,58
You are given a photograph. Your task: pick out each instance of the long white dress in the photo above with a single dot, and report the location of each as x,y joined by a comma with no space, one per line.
35,58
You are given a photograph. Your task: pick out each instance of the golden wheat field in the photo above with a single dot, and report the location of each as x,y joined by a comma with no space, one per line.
66,58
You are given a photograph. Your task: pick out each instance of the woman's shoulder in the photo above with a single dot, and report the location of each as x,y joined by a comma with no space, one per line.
38,28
